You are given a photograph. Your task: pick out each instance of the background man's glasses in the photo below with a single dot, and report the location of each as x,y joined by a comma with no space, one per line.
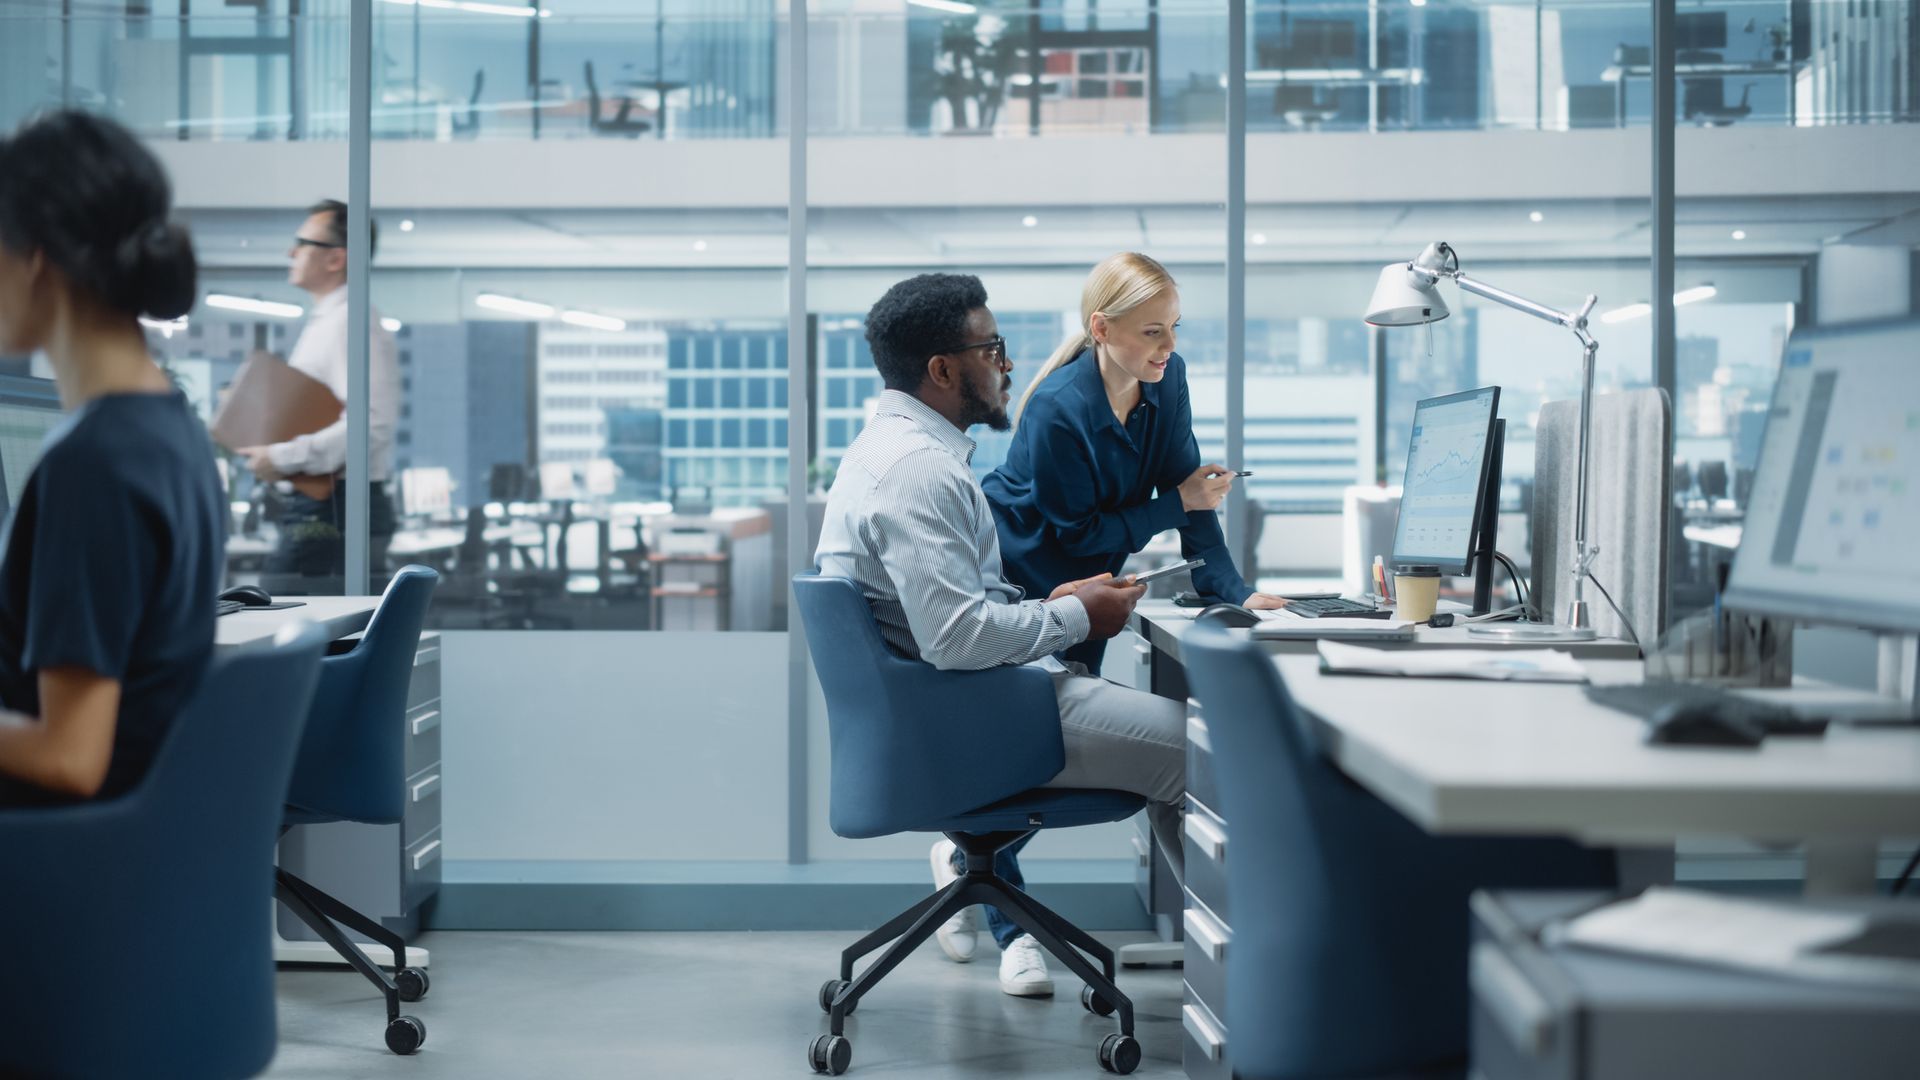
301,241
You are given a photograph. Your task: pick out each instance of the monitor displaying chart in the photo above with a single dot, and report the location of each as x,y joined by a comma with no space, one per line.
29,409
1446,471
1834,518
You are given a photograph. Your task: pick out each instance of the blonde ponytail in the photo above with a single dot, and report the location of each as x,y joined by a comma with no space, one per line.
1118,285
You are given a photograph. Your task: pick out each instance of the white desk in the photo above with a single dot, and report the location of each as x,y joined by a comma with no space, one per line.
337,615
1163,625
1460,756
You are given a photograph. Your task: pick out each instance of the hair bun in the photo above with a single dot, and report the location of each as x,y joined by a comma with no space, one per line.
158,268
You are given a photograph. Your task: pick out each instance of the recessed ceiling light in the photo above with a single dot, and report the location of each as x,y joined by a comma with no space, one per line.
252,306
1258,238
406,224
1536,217
1739,234
514,306
1029,221
699,245
390,324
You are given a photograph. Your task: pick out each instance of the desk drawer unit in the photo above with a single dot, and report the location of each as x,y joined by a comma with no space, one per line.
386,871
1209,934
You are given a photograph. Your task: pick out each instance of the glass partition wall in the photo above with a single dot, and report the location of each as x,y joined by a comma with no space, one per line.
585,216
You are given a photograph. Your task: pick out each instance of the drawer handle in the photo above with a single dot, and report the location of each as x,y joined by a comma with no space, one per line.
426,787
1203,931
426,721
1213,1041
1142,855
426,855
1205,833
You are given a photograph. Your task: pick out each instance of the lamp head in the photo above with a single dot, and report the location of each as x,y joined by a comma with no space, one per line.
1405,295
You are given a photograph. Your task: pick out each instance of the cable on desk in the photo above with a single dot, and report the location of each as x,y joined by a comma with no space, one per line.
1624,621
1519,588
1900,883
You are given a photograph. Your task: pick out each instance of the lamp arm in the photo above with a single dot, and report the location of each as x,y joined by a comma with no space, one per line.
1575,322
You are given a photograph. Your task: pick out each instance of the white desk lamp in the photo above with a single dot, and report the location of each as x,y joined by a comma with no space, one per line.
1408,295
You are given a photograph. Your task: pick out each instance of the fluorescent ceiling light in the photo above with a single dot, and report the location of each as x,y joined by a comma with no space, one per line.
1418,3
1631,311
167,327
255,307
952,7
1029,221
390,324
1258,238
699,245
1536,217
511,306
406,224
1695,295
591,321
1739,234
519,11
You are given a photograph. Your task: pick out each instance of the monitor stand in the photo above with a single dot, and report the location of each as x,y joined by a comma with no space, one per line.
1487,529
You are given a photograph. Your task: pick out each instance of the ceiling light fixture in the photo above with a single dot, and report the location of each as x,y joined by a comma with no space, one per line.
270,308
1258,238
391,325
513,306
1739,234
1536,217
406,224
591,321
518,11
1695,295
951,7
1631,311
1029,221
699,245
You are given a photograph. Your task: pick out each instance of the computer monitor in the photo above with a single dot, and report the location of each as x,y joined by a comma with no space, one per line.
602,478
426,491
29,409
556,481
1834,514
1700,30
1447,514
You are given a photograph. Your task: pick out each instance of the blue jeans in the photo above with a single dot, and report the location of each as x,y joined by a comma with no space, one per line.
1005,863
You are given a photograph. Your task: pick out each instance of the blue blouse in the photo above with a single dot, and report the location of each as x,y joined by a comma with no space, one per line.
1080,491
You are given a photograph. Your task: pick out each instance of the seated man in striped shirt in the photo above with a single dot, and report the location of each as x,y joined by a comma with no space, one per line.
907,520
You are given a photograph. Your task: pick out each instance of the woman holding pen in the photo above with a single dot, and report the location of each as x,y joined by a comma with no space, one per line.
1104,456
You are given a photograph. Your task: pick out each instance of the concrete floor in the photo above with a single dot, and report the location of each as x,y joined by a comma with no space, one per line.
704,1005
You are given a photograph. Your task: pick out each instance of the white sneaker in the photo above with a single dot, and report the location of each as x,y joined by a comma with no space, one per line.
1023,969
956,936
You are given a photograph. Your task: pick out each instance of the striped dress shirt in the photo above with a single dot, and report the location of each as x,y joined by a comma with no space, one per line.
908,522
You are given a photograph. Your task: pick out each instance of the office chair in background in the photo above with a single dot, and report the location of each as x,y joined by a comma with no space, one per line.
1350,957
352,767
962,753
139,931
620,124
469,126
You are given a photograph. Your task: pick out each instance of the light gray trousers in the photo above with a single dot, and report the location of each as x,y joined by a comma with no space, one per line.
1126,740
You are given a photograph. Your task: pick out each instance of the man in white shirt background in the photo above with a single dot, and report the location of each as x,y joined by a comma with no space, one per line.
311,554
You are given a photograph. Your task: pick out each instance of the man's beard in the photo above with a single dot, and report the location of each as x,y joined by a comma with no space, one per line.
975,408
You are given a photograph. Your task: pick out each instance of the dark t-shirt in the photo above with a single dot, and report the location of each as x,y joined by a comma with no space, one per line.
112,563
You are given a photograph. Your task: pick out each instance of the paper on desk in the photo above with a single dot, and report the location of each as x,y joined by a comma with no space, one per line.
1515,665
1756,935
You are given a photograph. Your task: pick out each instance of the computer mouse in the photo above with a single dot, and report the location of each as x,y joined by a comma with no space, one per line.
1229,615
1698,723
250,595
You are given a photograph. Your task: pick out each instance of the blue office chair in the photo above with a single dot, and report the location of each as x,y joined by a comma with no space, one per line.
962,753
352,767
137,927
1349,957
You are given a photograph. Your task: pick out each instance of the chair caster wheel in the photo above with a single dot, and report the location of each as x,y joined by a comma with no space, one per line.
831,1054
412,982
1095,1004
1119,1054
405,1034
830,990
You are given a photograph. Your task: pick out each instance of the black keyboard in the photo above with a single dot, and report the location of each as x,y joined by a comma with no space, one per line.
1645,699
1337,608
227,607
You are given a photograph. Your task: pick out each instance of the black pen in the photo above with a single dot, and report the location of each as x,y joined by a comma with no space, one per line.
1241,473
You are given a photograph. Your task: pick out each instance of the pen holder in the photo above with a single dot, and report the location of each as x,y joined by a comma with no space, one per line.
1735,650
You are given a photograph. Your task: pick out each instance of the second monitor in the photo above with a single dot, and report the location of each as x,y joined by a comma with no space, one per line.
1450,500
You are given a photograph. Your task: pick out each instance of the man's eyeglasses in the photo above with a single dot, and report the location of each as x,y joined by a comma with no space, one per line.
301,241
996,345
